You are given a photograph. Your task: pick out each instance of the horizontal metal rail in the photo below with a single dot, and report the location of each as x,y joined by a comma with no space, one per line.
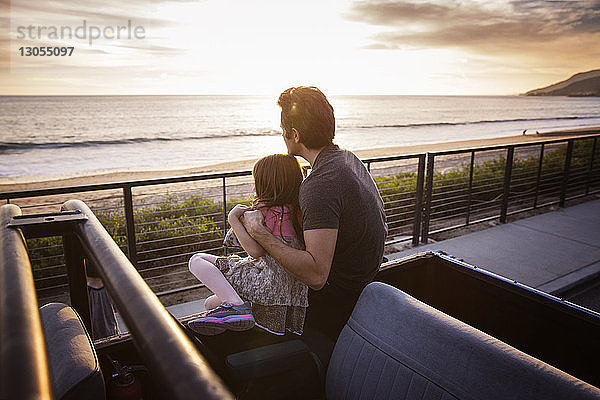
167,351
119,185
582,135
24,372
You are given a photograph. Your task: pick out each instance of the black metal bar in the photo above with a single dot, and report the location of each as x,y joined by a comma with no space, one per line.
158,337
584,134
391,158
369,166
130,224
428,196
507,175
24,372
120,185
470,193
418,200
75,263
224,214
565,180
539,176
589,177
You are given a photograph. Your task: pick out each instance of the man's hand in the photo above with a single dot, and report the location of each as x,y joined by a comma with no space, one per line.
236,219
254,222
236,212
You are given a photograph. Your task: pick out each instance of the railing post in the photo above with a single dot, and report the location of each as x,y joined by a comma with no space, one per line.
75,263
224,214
565,181
428,196
369,166
469,195
539,176
130,224
589,177
507,176
418,200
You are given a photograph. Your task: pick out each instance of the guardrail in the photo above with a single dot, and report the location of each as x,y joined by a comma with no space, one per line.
159,231
156,334
423,194
24,373
502,183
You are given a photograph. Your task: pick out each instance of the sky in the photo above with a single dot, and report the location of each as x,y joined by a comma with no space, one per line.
262,47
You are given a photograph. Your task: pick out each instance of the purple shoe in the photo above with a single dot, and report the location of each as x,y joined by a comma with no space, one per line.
226,316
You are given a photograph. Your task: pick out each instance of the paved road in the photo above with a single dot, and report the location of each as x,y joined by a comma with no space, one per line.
551,252
586,295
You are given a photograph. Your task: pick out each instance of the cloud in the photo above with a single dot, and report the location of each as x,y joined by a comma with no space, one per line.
514,27
111,12
155,49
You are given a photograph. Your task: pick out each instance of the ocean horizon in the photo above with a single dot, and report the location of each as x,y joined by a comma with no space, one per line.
53,137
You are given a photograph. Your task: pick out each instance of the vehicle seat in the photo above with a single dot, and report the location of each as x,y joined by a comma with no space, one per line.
72,360
394,346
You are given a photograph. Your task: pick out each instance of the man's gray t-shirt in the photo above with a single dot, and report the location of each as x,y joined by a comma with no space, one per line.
340,193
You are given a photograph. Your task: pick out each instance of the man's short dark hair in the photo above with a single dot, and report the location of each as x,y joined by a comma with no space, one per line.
306,109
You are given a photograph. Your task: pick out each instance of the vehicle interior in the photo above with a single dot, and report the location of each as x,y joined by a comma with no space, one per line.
431,326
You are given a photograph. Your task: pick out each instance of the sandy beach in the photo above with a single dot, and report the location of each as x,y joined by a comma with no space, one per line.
242,165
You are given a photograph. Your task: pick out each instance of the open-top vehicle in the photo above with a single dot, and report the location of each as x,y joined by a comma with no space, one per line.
431,327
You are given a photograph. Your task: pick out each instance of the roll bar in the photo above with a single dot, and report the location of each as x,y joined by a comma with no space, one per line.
168,353
24,372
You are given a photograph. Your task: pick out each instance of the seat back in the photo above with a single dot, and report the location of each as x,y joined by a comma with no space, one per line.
74,366
394,346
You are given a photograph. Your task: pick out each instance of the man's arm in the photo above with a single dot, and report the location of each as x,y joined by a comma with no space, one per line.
310,266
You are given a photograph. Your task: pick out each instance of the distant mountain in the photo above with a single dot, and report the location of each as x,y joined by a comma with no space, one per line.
582,84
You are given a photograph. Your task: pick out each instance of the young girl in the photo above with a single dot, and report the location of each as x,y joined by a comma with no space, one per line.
256,289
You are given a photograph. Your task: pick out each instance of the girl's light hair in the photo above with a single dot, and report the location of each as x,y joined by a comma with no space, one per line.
277,180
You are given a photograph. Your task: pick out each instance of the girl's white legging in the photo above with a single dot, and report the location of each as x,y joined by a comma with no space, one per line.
203,267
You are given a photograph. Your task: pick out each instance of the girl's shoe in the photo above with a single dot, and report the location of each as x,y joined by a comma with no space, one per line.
235,317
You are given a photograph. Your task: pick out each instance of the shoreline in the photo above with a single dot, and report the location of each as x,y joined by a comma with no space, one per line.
242,165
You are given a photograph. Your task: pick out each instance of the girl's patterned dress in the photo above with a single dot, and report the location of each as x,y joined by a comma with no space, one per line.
279,301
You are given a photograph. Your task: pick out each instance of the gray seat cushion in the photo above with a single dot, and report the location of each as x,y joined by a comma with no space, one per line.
396,347
73,363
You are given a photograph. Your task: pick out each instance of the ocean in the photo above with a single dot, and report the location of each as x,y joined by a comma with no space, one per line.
53,137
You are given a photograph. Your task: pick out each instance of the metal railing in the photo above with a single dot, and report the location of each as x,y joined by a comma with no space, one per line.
153,237
502,184
424,194
24,372
161,342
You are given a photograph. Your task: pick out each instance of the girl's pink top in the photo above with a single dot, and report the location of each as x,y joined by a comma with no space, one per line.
279,220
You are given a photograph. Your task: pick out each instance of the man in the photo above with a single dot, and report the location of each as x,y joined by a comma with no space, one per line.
342,215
